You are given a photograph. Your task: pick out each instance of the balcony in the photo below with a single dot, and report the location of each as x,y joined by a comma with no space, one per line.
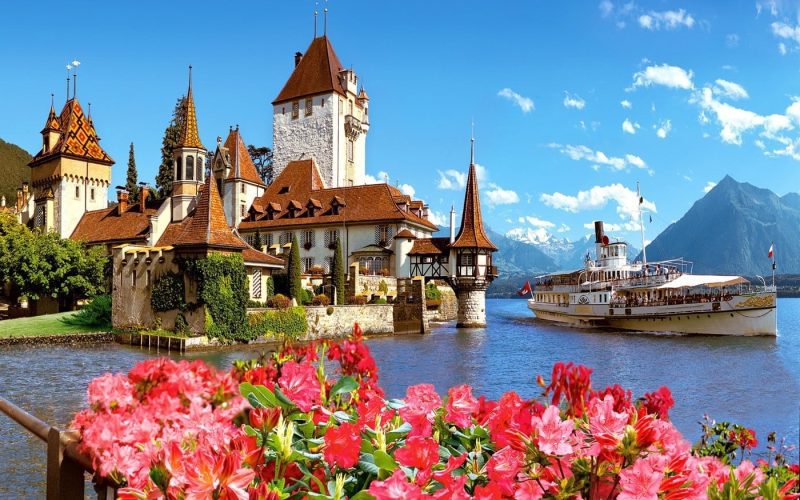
353,127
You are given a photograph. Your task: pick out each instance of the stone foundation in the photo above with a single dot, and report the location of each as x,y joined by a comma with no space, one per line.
471,308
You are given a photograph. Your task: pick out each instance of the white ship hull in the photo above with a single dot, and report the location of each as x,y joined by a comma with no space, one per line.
745,315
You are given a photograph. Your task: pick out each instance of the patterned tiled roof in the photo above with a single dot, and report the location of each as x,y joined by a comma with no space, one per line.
52,120
78,138
430,246
207,226
109,226
472,234
317,73
190,138
299,183
242,166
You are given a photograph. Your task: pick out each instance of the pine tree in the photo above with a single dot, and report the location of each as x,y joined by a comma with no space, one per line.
172,135
337,273
132,183
295,285
257,243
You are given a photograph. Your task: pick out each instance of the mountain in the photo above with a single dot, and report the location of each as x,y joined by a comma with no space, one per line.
566,254
13,170
517,257
730,229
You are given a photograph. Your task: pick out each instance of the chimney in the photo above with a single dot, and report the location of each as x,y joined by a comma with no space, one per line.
452,224
122,201
144,192
25,193
298,56
19,200
598,231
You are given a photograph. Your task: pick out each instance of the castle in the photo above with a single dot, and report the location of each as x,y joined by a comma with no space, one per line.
319,194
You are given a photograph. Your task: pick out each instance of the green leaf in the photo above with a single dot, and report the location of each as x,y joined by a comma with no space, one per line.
344,385
398,432
283,399
362,495
342,416
367,463
385,461
263,396
395,404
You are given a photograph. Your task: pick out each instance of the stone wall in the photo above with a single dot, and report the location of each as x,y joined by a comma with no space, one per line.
370,285
471,308
372,318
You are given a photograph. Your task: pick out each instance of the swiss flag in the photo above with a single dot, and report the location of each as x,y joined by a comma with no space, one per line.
770,251
525,289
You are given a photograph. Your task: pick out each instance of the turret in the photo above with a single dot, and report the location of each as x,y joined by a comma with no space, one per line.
188,162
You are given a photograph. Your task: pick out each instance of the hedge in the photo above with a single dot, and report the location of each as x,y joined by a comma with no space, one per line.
281,323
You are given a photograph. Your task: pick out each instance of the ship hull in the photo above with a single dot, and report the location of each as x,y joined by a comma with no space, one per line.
732,318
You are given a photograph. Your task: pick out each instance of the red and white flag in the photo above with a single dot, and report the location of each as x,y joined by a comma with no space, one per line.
771,253
525,289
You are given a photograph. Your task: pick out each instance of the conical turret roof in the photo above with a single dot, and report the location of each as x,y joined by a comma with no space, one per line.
208,227
190,138
472,234
316,73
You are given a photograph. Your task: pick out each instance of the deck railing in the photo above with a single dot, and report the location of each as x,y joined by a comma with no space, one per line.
66,465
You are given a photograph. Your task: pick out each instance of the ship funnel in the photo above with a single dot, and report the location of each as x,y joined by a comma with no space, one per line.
598,231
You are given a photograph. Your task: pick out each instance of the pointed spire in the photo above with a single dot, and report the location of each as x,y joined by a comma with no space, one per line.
52,122
190,138
472,145
208,227
472,233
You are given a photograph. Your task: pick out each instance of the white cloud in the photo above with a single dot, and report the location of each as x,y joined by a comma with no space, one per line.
732,40
629,127
573,101
524,103
709,186
664,129
669,76
626,104
736,121
785,31
606,8
581,152
626,200
378,179
439,218
536,222
500,196
782,48
668,19
407,189
731,90
563,228
452,179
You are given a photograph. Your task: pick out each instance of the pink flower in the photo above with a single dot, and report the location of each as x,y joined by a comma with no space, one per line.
111,392
420,453
554,434
395,487
504,466
300,384
342,445
641,481
421,401
461,405
606,425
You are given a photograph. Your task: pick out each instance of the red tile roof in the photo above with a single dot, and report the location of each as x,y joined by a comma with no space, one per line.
109,226
251,255
190,138
207,226
78,138
317,73
430,246
242,166
405,233
52,120
472,234
299,183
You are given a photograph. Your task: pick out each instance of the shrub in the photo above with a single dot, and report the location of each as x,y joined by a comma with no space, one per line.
280,301
95,313
379,300
357,300
320,300
305,296
168,292
432,292
255,304
181,325
383,287
329,310
289,323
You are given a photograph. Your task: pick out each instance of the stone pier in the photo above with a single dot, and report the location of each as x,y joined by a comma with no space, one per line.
471,308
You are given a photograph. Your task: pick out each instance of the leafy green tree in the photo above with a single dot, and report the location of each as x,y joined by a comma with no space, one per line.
337,273
257,243
295,286
172,135
131,183
262,159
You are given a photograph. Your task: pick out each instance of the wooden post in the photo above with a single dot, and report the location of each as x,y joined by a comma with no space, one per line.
64,476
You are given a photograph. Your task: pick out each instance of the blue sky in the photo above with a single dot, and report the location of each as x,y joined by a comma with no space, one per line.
572,104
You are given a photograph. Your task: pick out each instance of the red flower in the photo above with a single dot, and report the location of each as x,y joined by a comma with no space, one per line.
264,419
573,382
446,476
503,467
420,453
394,488
300,384
461,405
342,445
659,402
421,400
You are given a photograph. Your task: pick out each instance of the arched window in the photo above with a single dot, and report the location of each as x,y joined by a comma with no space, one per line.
200,172
189,167
178,169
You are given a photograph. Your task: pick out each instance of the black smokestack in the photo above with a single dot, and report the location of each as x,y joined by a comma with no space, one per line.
598,231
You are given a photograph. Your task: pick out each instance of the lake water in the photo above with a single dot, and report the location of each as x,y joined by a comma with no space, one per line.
752,381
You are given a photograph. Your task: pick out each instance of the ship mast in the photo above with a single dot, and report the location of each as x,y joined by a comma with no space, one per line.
641,225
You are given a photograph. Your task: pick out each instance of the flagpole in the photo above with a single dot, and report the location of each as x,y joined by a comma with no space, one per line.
772,246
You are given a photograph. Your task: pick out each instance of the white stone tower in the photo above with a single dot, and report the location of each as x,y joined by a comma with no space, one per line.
188,162
70,175
322,114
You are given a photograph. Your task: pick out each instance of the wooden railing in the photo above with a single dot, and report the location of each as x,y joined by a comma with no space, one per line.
66,465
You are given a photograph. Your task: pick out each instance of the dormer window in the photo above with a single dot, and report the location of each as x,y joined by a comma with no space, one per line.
337,203
284,190
313,206
294,208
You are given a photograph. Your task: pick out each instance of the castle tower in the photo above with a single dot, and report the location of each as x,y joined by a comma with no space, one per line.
70,175
472,254
320,113
236,177
188,162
